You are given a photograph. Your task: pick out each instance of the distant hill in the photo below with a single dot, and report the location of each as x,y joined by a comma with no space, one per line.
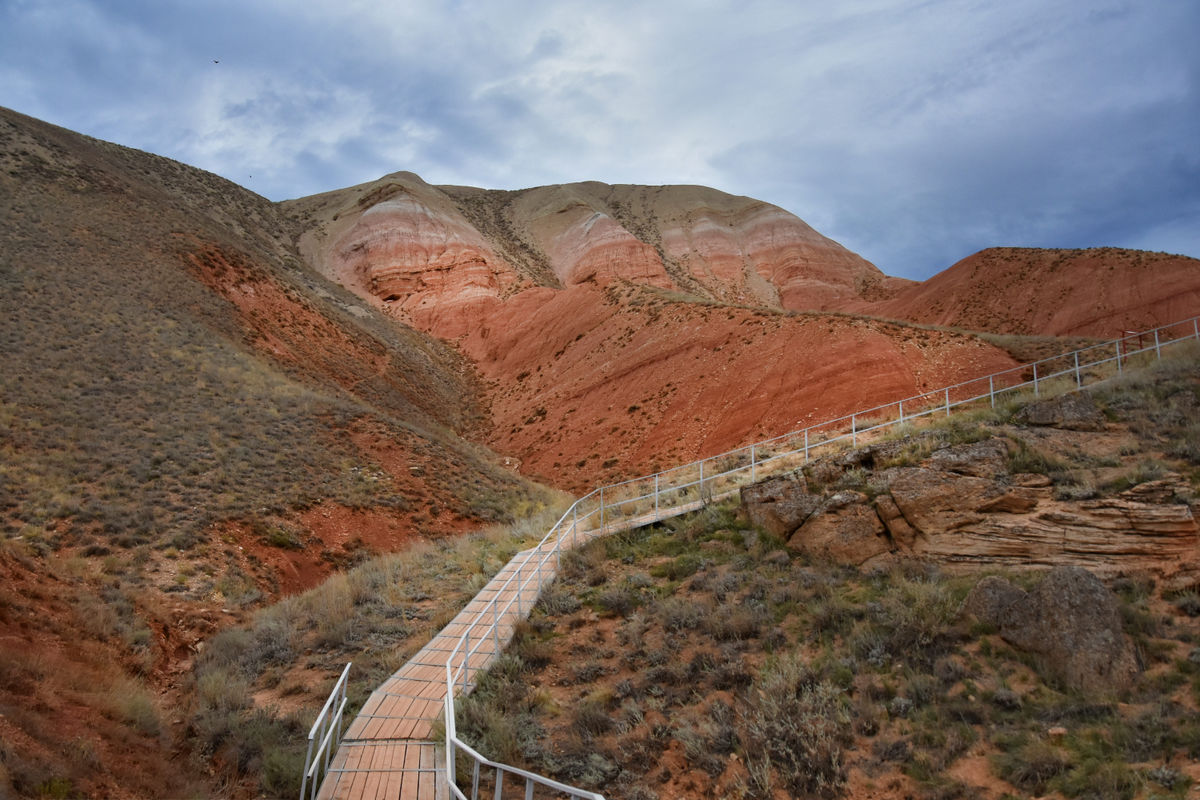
1099,292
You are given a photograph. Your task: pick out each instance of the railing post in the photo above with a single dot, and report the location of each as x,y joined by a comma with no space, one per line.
1157,346
1119,368
753,466
992,389
701,481
1078,379
1196,328
901,412
947,401
1035,380
452,730
517,582
854,430
656,497
602,510
806,445
499,783
307,766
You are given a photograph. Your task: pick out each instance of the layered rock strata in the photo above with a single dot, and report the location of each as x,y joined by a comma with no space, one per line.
979,517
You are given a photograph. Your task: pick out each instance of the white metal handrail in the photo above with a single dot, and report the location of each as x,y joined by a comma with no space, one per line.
743,464
325,732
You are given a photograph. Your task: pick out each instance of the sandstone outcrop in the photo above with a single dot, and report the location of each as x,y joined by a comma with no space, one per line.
985,459
1070,621
779,505
845,529
405,246
1076,411
963,519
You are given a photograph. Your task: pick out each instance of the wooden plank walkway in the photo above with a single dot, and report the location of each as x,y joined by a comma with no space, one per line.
387,752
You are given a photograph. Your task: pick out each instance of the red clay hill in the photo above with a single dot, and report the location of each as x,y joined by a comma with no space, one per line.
619,329
1100,292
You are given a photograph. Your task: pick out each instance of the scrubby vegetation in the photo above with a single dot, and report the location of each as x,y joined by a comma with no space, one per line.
701,658
376,615
746,671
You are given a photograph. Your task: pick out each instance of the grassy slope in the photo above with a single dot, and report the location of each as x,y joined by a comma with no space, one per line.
137,397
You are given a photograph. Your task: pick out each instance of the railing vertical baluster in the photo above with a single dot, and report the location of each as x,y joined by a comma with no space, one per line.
517,583
307,764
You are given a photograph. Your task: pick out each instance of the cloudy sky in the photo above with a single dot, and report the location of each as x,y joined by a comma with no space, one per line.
915,132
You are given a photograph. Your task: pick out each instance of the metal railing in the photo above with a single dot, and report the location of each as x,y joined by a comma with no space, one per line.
651,498
325,732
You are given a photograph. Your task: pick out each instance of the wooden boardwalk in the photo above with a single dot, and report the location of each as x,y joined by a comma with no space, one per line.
388,752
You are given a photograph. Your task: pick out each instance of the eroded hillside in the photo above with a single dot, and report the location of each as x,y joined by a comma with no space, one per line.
621,329
193,423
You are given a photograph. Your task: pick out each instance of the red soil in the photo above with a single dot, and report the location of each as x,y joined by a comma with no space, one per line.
590,385
1097,292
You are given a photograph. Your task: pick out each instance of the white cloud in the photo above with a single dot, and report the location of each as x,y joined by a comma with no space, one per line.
912,130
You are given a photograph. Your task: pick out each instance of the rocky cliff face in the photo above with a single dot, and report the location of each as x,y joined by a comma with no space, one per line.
971,506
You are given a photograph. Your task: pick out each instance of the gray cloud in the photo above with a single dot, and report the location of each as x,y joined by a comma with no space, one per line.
915,132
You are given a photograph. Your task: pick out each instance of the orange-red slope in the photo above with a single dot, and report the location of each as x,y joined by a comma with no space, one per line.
1095,292
590,385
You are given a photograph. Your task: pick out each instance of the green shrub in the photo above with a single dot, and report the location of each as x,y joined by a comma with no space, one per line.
1024,458
1100,780
1032,765
677,568
794,729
